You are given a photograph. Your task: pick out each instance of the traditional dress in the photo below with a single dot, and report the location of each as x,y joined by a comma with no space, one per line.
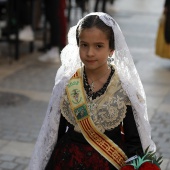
120,101
110,110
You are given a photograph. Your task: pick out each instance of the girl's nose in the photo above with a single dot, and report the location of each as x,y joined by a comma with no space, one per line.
90,52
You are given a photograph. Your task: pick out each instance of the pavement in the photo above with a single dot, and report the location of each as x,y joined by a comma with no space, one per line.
26,85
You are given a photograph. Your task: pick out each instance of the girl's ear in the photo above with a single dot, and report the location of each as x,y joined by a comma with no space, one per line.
111,52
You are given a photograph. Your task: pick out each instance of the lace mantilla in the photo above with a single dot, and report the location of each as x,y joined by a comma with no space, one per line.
107,110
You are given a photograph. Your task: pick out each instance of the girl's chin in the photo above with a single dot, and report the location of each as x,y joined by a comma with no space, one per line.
90,65
95,66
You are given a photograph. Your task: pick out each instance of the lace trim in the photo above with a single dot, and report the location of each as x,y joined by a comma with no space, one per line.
66,110
107,111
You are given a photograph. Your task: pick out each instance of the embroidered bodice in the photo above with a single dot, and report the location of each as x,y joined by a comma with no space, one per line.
107,110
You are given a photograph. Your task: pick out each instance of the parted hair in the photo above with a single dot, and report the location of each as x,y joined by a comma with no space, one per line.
95,21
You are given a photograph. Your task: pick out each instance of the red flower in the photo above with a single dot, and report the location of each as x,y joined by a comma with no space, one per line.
128,167
148,162
149,166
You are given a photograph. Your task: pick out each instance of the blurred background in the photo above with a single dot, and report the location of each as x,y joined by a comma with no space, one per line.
32,34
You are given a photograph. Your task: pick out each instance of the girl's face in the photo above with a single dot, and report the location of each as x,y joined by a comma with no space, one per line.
94,48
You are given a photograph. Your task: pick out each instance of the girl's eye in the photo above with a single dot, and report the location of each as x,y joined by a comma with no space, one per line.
83,45
99,46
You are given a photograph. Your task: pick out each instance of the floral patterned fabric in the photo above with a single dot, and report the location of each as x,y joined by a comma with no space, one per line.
72,155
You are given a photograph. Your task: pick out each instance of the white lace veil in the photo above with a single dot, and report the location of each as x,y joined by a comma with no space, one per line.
130,80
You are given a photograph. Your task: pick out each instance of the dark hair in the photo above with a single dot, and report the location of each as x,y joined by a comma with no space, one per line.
95,21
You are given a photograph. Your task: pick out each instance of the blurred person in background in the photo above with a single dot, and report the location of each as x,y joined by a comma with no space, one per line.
96,9
25,18
167,20
104,5
20,18
162,45
55,15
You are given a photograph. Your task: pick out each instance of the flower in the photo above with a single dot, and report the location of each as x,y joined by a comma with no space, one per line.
148,162
148,165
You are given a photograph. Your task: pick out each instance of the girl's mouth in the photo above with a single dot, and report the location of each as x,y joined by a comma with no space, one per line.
91,61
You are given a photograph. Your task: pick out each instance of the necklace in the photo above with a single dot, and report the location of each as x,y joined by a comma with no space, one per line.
93,95
92,86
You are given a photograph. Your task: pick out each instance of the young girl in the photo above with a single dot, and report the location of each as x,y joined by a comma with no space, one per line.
97,116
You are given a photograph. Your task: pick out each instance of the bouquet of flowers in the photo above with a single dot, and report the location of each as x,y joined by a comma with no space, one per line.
148,162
